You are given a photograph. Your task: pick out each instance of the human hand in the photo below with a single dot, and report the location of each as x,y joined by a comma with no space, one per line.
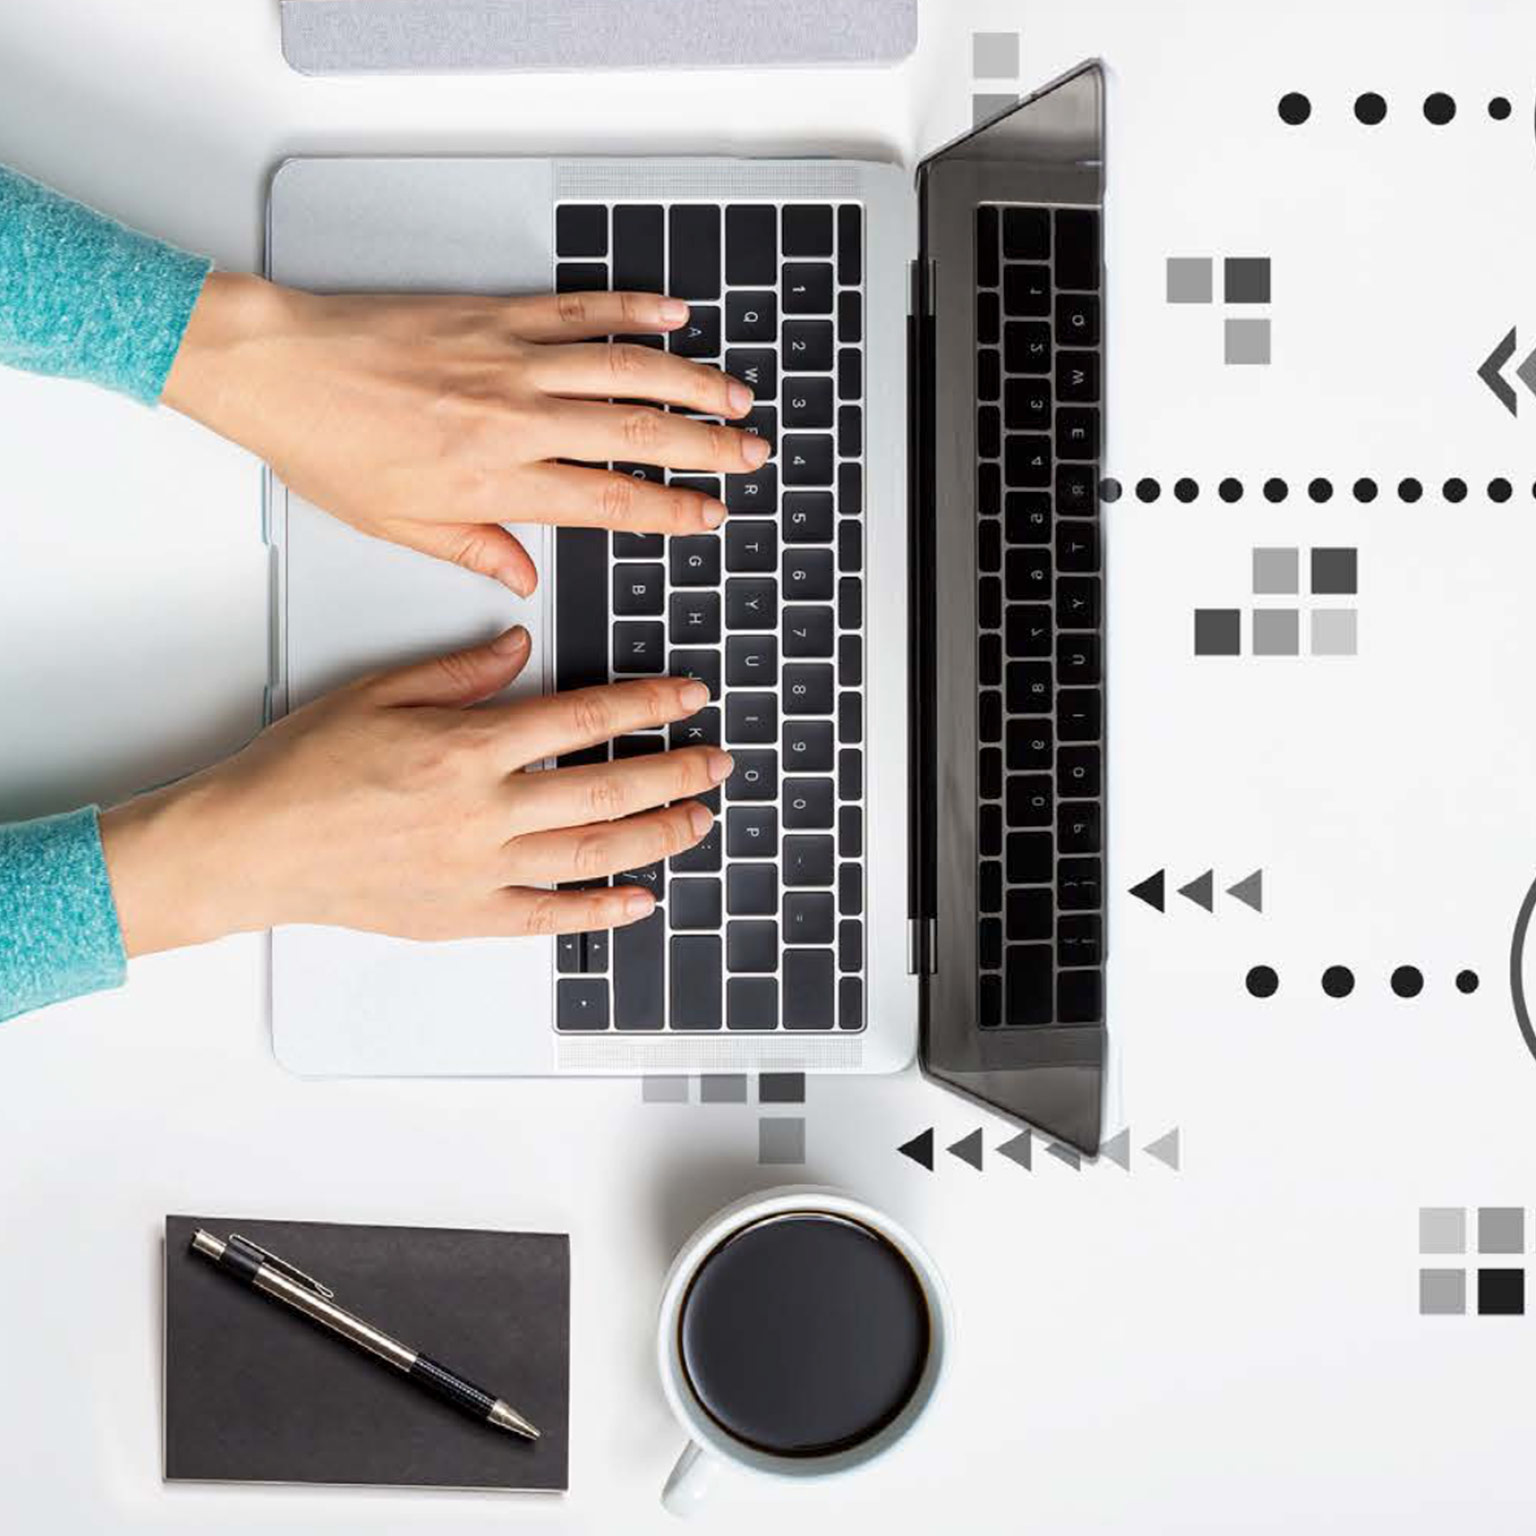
392,806
430,420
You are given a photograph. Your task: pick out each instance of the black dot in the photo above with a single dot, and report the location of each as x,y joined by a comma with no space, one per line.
1295,109
1439,108
1455,490
1466,981
1499,108
1109,490
1275,490
1500,490
1230,490
1321,490
1263,982
1410,489
1186,489
1148,489
1370,108
1338,981
1365,489
1407,981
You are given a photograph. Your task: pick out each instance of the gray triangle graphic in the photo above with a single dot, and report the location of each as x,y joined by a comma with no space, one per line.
1165,1149
1118,1149
1201,890
1020,1149
968,1149
1250,891
1490,375
1069,1155
920,1149
1526,373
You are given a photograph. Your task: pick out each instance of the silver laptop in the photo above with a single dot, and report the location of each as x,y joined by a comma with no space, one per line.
900,623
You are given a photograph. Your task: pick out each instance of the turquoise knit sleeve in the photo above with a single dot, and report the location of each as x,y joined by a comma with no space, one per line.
85,297
59,933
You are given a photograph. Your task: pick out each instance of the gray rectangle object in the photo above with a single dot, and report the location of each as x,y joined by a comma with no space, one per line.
374,36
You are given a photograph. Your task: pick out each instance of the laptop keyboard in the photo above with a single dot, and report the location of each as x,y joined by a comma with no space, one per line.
760,927
1040,606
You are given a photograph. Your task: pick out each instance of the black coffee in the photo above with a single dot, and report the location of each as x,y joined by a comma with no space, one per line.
804,1334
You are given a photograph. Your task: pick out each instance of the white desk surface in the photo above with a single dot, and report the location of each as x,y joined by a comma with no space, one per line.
1099,1376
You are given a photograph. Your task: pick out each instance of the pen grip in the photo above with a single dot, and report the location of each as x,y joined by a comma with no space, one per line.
462,1394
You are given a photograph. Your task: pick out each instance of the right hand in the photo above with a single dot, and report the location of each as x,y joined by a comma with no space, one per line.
392,806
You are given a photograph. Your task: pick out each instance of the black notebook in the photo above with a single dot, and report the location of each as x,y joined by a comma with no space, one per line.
256,1393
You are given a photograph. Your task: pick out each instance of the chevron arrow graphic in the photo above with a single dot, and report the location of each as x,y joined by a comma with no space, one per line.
968,1149
920,1149
1201,890
1118,1149
1019,1149
1526,373
1491,373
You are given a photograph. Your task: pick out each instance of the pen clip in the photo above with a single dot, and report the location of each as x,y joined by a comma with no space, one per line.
282,1266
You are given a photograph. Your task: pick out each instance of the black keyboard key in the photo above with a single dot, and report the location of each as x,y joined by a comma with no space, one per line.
1030,801
850,889
751,243
989,321
649,877
1026,234
808,861
806,346
807,287
694,903
751,602
989,546
1079,771
850,1002
638,241
989,944
1029,628
701,729
989,1002
850,716
1029,687
1027,346
989,374
1029,915
580,277
751,661
807,804
850,373
1029,745
638,546
809,917
989,716
703,858
751,546
752,1002
761,421
694,617
1027,461
1027,517
1077,248
989,886
699,334
752,890
693,246
1077,547
850,317
850,489
808,631
989,432
808,989
1079,826
1080,885
989,774
989,661
1080,714
637,746
756,776
807,689
807,517
638,647
807,458
1031,859
1027,575
850,946
1077,432
986,247
1080,939
1078,602
754,494
807,230
756,367
1077,490
637,590
581,636
581,1003
702,666
1077,376
850,243
807,575
989,602
850,774
807,747
989,489
568,947
751,719
696,981
1027,405
638,998
750,316
751,831
1028,972
581,229
751,947
808,401
1077,320
595,952
850,602
850,661
1026,290
695,562
1080,997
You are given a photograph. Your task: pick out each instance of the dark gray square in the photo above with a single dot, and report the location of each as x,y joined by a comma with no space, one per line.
723,1088
1335,572
1246,279
780,1141
781,1088
1218,632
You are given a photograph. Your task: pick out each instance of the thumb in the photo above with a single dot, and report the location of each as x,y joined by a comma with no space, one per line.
459,678
486,548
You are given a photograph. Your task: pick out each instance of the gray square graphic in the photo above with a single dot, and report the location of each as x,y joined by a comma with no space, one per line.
781,1088
1276,632
723,1088
1189,280
1247,341
663,1090
1500,1229
1442,1229
781,1141
1334,632
1218,632
1442,1292
995,55
1335,572
1276,571
1246,279
985,105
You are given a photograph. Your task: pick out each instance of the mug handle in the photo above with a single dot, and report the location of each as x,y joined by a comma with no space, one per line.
689,1482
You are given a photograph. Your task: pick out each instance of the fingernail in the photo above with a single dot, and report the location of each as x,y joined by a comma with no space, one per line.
693,695
714,513
518,579
510,643
740,397
755,451
638,903
720,765
700,819
673,311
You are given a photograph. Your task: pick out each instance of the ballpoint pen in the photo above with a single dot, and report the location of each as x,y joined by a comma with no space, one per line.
254,1266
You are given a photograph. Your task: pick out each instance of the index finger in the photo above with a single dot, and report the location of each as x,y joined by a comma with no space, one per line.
582,316
566,722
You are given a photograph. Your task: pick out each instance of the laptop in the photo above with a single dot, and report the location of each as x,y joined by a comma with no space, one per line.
901,622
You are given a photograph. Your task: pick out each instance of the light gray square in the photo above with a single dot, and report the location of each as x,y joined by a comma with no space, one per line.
1189,280
663,1090
1334,632
1500,1229
1276,632
1442,1229
985,105
780,1141
1246,279
995,55
1335,572
723,1088
1218,632
1442,1292
1247,341
1276,571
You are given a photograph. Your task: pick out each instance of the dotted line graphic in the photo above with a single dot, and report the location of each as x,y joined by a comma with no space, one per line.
1320,490
1370,108
1338,981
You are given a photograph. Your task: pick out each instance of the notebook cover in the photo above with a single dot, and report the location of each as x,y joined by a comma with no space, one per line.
254,1392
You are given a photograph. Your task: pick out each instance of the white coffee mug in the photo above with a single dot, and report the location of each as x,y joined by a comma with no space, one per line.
710,1446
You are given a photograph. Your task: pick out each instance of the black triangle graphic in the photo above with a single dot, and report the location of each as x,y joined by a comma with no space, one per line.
920,1149
1151,890
968,1149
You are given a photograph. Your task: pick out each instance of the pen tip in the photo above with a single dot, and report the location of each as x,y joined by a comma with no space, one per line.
505,1417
